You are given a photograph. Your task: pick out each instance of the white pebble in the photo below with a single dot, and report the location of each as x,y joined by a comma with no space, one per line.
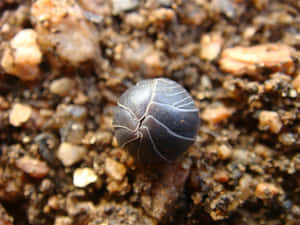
70,154
124,5
82,177
19,114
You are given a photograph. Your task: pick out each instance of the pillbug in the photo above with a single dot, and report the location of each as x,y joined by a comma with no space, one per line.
156,120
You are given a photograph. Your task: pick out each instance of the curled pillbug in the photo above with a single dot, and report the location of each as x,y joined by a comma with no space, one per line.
156,120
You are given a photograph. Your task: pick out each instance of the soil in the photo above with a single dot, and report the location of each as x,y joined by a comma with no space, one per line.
63,65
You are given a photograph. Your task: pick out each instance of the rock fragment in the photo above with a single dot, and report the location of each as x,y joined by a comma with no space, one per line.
115,169
221,176
267,190
224,151
118,187
23,56
161,16
165,3
135,20
46,186
193,14
210,46
224,6
70,154
216,113
287,139
103,137
66,115
76,112
120,6
33,167
19,114
98,138
72,132
97,9
247,60
145,58
62,220
269,120
61,25
82,177
62,86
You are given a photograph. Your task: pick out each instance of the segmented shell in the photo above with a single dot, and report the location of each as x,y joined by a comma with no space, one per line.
156,120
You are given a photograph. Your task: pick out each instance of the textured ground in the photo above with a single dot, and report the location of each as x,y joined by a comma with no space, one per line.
63,65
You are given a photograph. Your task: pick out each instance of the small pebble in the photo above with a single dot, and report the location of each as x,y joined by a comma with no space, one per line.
144,57
269,120
293,93
70,154
154,65
46,186
98,138
33,167
221,176
82,177
63,220
246,60
216,113
210,46
23,57
64,30
287,139
103,137
135,20
165,3
54,202
263,151
249,32
226,7
266,191
62,87
120,6
72,132
161,16
116,187
296,83
19,114
242,156
115,169
224,152
76,112
92,17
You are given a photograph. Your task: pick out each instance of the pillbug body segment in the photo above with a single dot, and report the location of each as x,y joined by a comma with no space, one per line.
156,120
